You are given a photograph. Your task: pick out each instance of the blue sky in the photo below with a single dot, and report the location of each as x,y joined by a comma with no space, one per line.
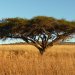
30,8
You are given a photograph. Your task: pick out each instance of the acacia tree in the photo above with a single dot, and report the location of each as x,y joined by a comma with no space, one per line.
40,31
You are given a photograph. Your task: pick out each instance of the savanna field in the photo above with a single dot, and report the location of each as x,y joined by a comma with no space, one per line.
27,60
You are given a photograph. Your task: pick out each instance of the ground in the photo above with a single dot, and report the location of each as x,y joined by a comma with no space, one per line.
27,60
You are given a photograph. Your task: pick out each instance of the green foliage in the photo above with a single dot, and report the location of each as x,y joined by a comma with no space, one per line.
36,24
42,21
41,26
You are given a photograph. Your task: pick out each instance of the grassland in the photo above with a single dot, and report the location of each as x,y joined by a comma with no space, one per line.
26,60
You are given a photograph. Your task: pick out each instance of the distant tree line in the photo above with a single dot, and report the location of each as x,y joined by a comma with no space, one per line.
40,31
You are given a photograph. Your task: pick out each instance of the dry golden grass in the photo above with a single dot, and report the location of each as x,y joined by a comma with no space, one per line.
26,60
